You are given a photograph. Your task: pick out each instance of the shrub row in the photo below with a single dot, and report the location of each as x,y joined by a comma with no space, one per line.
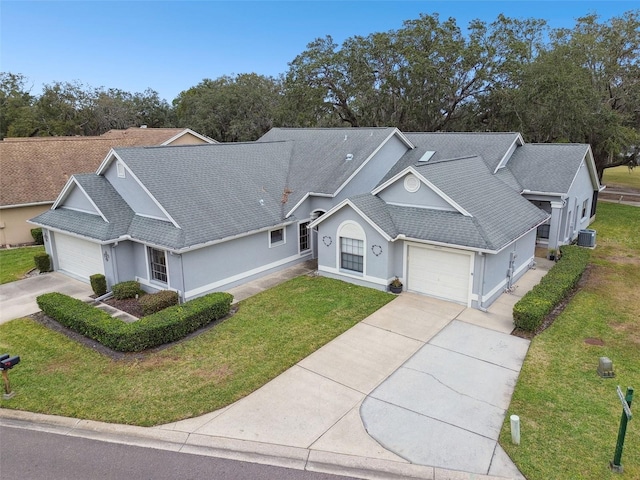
154,302
124,290
554,287
166,326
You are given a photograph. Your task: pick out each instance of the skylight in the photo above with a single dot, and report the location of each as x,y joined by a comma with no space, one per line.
427,156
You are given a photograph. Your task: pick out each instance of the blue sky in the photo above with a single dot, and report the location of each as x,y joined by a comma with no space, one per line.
170,46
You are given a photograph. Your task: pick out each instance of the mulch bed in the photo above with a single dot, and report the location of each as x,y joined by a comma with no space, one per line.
129,305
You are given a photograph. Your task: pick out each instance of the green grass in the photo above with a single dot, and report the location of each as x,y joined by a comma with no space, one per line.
16,262
270,332
569,415
620,176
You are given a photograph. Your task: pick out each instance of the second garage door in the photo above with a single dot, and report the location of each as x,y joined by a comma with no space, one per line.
439,273
78,257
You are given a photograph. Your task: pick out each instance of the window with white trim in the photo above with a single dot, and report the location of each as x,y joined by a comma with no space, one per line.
276,237
157,265
352,254
585,204
303,236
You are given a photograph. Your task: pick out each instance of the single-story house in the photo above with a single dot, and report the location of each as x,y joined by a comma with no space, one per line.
453,215
34,169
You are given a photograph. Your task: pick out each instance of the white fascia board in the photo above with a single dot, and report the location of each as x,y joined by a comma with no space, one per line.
593,171
307,195
396,133
562,196
32,204
519,141
358,211
440,193
107,161
443,244
189,131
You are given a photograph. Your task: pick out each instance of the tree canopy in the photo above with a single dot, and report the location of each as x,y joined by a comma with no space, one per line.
579,84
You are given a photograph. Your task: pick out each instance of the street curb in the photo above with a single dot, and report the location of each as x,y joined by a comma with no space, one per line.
233,449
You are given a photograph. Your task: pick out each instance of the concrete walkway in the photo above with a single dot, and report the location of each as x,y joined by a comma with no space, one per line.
313,416
18,299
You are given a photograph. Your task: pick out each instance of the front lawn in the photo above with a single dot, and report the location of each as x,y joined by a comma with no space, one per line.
270,332
16,262
569,415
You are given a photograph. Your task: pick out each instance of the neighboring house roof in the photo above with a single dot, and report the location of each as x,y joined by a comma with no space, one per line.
34,169
547,167
319,155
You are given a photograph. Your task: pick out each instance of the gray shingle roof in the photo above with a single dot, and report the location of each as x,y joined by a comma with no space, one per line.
499,215
548,167
318,159
492,147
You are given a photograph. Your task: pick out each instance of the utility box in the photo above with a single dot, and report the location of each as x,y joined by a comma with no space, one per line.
605,368
587,238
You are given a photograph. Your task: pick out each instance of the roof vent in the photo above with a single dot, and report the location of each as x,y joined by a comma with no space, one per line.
261,202
345,137
143,126
427,156
349,157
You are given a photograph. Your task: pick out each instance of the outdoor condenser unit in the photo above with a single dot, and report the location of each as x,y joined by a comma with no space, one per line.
587,238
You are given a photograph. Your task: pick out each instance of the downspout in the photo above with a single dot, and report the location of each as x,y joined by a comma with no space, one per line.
483,258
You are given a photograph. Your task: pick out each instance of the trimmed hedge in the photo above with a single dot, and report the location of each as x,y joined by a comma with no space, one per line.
554,287
154,302
42,262
124,290
166,326
98,284
36,233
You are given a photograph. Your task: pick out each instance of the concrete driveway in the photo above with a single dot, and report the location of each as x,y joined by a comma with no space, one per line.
18,299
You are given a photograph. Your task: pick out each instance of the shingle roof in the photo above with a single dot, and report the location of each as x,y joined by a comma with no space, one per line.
499,215
492,147
548,167
35,169
319,162
215,191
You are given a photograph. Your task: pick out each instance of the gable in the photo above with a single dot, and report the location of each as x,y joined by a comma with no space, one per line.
410,190
77,199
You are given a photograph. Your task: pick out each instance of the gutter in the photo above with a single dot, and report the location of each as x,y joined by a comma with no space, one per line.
33,204
563,196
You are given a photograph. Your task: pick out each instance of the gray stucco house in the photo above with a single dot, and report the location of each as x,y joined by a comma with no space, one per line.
453,215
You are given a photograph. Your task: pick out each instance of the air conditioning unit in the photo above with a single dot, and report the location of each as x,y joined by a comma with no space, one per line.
587,238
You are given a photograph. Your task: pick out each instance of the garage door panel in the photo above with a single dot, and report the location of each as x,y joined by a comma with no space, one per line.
439,273
78,257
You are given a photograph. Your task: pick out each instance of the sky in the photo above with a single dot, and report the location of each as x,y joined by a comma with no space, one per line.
171,46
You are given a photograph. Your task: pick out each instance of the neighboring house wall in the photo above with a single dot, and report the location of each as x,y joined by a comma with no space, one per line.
14,229
132,193
188,139
377,252
370,173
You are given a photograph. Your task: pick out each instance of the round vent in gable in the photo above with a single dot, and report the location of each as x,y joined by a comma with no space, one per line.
411,183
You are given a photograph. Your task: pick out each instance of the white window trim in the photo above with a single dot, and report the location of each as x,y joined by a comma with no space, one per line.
361,235
284,237
308,221
151,280
585,208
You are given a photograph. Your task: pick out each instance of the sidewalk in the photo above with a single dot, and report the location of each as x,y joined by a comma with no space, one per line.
310,416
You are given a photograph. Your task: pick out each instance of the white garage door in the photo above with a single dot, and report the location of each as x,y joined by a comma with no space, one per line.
78,257
439,273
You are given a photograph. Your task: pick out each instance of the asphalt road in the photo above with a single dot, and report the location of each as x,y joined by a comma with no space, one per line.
36,455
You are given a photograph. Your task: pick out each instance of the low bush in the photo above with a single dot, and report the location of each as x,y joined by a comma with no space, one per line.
166,326
555,286
98,284
124,290
36,233
154,302
42,262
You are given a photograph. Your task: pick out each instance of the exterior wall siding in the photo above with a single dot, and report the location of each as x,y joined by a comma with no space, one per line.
78,201
14,229
377,252
581,191
423,197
